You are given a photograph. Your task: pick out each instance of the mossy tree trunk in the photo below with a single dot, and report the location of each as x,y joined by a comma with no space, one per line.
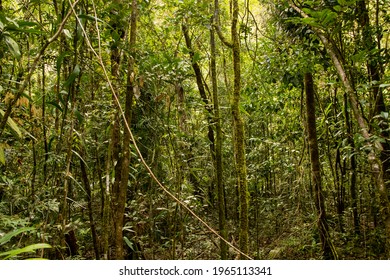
239,137
238,126
218,147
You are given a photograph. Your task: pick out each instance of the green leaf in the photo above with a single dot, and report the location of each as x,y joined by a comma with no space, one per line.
27,23
12,22
14,127
27,249
78,115
88,17
12,46
129,243
338,8
2,156
55,104
59,61
73,76
310,21
328,17
9,235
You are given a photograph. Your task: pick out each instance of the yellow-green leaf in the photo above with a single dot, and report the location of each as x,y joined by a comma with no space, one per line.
2,156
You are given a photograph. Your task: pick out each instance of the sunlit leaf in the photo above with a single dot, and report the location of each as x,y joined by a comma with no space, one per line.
67,33
2,156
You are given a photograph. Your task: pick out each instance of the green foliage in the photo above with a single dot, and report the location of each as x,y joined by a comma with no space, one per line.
10,254
57,164
14,127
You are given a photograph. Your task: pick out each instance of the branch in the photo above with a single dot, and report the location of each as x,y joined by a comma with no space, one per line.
217,26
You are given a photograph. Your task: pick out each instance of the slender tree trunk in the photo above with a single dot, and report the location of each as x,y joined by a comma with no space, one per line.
218,147
121,152
238,126
116,147
44,129
239,136
353,187
201,88
88,191
205,99
315,168
367,40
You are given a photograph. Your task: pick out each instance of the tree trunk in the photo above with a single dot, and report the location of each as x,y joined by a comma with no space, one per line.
316,169
239,136
88,191
218,147
367,40
353,187
201,88
238,126
121,151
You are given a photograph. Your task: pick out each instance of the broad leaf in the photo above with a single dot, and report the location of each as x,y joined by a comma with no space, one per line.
12,46
9,235
14,127
27,249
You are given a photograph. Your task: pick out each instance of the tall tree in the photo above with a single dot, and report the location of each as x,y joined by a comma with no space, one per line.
238,125
218,143
322,223
122,151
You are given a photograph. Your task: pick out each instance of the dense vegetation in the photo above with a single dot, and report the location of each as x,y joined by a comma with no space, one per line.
194,129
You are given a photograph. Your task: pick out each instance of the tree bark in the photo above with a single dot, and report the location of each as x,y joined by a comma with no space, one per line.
88,191
238,126
322,223
122,151
201,88
239,136
218,147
